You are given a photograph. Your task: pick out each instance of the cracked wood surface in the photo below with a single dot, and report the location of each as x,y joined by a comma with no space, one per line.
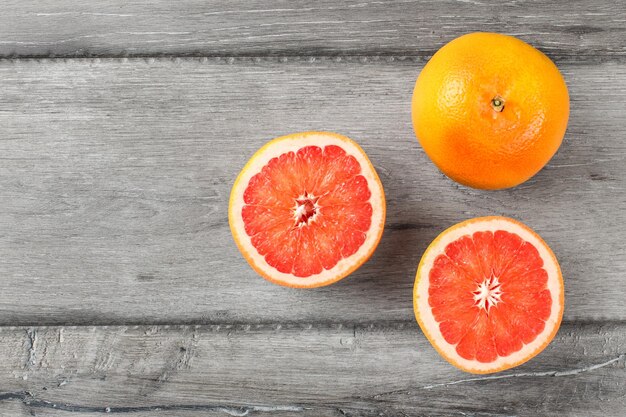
577,30
297,369
115,176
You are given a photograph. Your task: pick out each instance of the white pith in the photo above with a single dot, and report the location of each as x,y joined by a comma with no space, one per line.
488,293
293,143
300,209
431,327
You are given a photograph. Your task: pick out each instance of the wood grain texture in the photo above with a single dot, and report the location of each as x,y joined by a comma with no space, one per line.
114,179
115,175
570,30
303,369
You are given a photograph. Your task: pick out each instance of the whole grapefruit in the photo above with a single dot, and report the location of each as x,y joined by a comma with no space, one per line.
490,110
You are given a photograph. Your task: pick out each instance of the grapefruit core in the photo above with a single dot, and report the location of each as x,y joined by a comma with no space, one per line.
307,210
488,294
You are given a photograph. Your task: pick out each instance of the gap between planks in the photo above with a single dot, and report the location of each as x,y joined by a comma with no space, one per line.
353,58
266,325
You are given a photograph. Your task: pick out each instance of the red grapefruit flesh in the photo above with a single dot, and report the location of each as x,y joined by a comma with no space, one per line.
307,209
488,294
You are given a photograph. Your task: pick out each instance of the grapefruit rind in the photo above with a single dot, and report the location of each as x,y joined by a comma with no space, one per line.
430,327
291,143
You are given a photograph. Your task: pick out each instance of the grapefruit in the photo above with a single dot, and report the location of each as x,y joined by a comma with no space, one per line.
490,110
488,294
307,210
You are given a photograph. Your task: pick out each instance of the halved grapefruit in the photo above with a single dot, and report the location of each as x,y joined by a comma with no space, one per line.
488,294
307,209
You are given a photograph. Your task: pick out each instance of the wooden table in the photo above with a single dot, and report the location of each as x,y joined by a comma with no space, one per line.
122,127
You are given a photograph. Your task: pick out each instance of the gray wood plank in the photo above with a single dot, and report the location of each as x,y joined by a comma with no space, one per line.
302,369
576,30
115,175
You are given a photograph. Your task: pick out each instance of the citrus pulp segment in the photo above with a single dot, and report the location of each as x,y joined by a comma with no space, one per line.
307,209
488,294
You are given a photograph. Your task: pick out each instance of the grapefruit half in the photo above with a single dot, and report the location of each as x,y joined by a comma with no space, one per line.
307,209
488,294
